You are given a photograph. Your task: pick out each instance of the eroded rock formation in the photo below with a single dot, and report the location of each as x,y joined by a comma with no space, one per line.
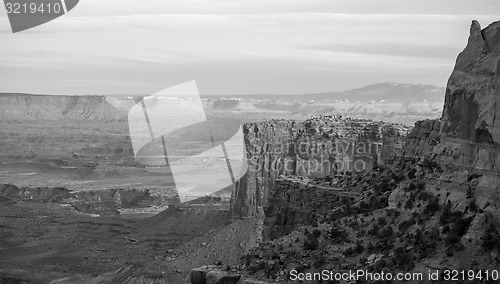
470,126
318,147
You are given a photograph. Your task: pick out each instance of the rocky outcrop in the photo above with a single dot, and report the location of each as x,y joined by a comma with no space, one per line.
317,147
21,107
470,125
422,139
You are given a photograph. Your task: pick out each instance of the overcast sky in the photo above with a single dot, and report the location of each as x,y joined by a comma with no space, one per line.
239,46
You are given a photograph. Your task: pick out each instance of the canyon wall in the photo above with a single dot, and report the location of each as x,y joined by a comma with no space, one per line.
318,147
470,125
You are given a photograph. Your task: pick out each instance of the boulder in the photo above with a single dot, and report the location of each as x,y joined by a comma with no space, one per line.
222,277
212,274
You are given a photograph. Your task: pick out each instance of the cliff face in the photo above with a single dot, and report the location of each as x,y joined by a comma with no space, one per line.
20,107
470,125
318,147
296,201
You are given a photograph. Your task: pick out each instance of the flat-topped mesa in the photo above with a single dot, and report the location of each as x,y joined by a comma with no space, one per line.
470,124
27,107
317,147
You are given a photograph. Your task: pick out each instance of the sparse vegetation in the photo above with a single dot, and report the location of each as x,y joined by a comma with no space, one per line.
399,237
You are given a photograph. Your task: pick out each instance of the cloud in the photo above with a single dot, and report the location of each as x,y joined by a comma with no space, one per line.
235,46
398,49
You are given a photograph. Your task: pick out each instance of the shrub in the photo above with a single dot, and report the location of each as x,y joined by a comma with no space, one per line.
461,225
359,246
256,267
349,251
385,245
411,187
357,249
363,260
370,247
447,216
337,234
409,204
403,226
491,238
450,251
452,238
411,174
382,221
319,261
311,242
421,185
386,233
432,206
403,259
374,230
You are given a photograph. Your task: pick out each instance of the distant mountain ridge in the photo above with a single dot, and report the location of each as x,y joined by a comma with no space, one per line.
373,92
385,91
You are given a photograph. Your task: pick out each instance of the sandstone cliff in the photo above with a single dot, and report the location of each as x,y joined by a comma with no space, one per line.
317,147
470,125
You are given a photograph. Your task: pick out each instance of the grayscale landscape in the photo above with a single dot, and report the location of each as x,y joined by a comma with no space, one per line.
385,177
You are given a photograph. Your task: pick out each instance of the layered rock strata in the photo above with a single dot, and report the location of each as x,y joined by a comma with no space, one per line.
470,125
317,147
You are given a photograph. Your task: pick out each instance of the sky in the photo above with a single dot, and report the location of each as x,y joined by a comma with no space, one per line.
239,47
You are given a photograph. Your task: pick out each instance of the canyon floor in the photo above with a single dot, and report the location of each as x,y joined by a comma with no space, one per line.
74,203
43,242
